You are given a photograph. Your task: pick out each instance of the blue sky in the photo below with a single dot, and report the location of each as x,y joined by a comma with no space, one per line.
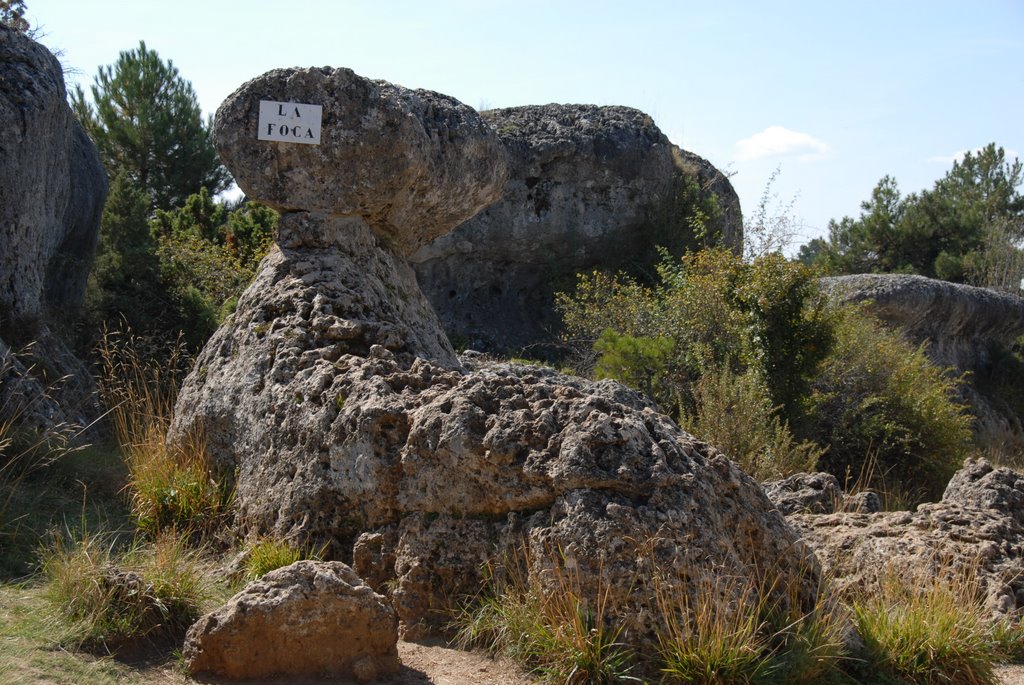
836,94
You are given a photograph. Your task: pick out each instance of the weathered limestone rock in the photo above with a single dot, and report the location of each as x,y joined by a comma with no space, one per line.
411,163
978,524
956,320
817,493
589,187
52,189
308,619
333,395
959,322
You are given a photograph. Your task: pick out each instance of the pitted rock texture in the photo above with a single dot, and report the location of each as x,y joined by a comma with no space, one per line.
411,163
979,524
52,189
958,322
309,619
334,397
420,473
817,493
590,187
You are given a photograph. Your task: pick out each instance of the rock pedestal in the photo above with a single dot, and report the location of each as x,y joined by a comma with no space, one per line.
335,397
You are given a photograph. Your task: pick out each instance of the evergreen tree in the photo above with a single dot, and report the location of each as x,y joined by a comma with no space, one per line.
146,122
12,15
965,228
124,285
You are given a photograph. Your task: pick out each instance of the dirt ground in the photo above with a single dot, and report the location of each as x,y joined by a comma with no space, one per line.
423,664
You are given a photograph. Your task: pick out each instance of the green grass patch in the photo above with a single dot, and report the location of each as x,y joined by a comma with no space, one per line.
269,553
928,632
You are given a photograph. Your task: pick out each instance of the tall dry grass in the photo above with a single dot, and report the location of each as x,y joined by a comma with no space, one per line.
171,487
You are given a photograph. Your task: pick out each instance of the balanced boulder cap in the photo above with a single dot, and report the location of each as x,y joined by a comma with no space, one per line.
412,163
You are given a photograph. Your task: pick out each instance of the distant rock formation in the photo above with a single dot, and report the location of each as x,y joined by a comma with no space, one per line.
958,322
978,525
590,187
52,189
333,394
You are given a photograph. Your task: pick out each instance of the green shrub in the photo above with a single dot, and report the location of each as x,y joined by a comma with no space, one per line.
879,395
932,632
109,600
728,348
638,362
733,413
270,553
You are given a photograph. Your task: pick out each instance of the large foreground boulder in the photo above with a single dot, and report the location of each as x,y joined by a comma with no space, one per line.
590,187
308,619
978,526
52,189
961,325
335,398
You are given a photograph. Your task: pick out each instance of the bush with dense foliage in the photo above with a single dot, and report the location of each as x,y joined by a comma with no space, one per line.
180,272
879,397
752,358
712,316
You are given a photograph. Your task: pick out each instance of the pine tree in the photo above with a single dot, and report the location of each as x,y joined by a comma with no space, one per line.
146,122
12,15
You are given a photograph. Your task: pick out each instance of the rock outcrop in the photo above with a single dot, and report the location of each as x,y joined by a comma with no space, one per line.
818,493
589,187
52,189
335,397
310,619
960,324
978,525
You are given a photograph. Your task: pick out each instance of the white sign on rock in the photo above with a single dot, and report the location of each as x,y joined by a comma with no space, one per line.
290,122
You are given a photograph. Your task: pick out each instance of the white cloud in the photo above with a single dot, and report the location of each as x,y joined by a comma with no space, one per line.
958,156
778,141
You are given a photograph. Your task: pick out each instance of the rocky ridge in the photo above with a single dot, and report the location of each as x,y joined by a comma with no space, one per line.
588,187
978,527
335,397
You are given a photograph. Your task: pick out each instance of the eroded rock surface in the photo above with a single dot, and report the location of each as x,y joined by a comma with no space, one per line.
334,396
590,187
818,493
978,524
309,619
52,189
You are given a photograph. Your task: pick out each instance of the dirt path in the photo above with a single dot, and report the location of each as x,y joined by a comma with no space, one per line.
1010,675
422,664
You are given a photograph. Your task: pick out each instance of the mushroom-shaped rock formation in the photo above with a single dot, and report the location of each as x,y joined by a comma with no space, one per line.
411,163
335,398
